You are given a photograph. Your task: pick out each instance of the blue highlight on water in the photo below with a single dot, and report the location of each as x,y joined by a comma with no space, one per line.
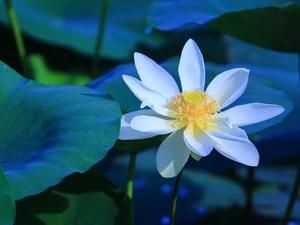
166,188
165,220
293,223
202,211
183,192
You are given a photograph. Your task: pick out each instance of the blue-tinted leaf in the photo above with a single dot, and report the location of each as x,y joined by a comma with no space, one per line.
7,204
259,89
271,200
81,199
262,23
49,132
74,24
269,27
167,15
242,52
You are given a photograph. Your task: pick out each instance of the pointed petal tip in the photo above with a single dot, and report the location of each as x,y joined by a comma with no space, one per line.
124,76
281,109
241,69
138,56
191,41
191,44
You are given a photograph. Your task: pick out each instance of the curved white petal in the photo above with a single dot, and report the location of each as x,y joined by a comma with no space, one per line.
141,91
160,109
154,76
228,86
128,133
197,141
247,114
234,144
151,124
191,67
172,155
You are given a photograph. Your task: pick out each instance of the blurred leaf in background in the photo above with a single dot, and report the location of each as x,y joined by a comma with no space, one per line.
48,132
270,24
45,75
74,24
272,195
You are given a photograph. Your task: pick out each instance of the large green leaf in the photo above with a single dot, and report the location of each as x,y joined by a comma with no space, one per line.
7,204
48,132
270,27
81,199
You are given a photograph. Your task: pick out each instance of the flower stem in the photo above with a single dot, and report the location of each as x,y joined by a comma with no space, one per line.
292,200
249,198
174,199
130,173
101,28
18,36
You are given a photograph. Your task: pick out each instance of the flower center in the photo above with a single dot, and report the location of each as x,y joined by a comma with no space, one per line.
192,107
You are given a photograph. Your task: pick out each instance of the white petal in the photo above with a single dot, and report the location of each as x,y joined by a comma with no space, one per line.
228,86
160,109
197,141
191,67
235,145
172,155
154,76
127,133
247,114
141,91
151,124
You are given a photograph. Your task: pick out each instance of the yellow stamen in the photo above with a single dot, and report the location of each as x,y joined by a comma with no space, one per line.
192,107
193,97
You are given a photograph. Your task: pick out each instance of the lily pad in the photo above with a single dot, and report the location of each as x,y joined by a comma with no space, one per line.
80,199
7,204
48,132
74,24
270,24
271,198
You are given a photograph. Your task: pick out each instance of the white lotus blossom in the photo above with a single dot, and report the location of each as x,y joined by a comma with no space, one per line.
193,117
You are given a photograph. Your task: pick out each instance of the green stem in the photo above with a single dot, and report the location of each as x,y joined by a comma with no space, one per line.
292,200
101,28
174,199
130,173
18,36
249,190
